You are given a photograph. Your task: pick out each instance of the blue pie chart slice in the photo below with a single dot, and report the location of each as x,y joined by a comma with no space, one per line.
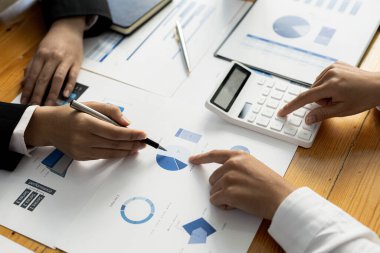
291,27
173,160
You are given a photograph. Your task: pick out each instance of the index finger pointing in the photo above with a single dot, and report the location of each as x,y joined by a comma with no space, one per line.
215,156
307,97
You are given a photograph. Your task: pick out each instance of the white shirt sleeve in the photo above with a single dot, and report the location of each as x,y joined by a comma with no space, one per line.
378,108
17,143
306,222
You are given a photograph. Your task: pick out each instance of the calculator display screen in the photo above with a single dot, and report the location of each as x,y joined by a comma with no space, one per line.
229,90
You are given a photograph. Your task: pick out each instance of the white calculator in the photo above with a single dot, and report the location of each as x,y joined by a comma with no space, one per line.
251,99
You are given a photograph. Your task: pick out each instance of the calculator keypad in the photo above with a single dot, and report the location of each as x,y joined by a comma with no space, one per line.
274,95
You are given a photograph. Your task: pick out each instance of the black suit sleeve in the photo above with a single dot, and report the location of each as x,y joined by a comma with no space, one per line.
57,9
10,115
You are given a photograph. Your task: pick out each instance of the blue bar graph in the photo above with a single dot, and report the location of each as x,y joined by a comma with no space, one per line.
344,5
355,9
332,4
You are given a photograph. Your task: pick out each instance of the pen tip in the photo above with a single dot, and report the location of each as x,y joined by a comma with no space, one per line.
162,148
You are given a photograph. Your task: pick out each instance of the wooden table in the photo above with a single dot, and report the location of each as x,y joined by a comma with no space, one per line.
343,165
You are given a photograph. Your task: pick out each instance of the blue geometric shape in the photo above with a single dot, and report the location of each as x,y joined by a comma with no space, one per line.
241,148
199,223
131,221
199,236
57,162
291,27
52,158
188,135
121,108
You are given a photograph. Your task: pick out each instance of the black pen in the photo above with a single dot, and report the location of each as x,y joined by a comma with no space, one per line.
85,109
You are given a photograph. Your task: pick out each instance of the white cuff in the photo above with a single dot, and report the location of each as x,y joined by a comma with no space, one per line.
306,222
17,143
378,107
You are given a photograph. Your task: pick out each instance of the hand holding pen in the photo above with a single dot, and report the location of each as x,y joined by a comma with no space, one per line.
82,136
90,111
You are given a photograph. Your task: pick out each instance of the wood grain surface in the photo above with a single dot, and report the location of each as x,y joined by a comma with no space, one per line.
343,165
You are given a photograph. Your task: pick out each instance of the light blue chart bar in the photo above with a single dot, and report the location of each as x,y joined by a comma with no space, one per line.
187,135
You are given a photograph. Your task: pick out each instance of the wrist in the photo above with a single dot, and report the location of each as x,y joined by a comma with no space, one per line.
73,24
282,192
377,90
37,131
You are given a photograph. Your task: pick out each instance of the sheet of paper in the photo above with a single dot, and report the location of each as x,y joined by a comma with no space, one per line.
40,201
151,58
158,201
298,39
8,246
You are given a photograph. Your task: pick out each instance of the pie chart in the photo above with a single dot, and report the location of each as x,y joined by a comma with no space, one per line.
137,210
241,148
291,27
174,159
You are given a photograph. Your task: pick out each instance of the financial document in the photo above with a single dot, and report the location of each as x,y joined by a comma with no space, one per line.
156,200
151,58
298,39
47,190
159,201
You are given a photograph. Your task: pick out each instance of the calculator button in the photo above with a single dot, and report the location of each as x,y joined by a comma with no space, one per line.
288,98
282,119
266,91
300,112
261,100
277,95
304,134
294,90
281,86
261,81
308,127
269,83
256,108
273,103
262,121
290,130
295,121
267,112
252,117
276,125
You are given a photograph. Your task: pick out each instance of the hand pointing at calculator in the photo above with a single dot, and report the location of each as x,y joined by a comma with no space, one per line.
340,90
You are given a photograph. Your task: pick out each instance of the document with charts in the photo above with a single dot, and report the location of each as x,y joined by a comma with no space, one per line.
154,47
159,202
156,200
297,39
47,191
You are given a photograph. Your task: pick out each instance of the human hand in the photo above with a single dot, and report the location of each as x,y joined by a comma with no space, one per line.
81,136
58,58
245,183
340,90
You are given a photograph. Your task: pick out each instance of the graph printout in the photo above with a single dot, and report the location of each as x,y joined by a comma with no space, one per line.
151,58
297,39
